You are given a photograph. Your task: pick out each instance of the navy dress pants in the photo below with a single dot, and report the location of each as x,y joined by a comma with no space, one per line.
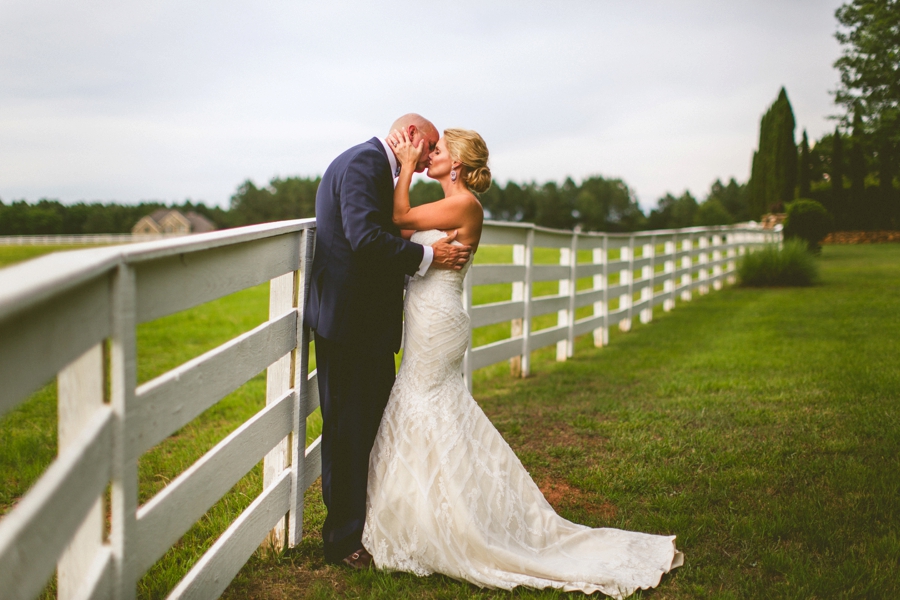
355,383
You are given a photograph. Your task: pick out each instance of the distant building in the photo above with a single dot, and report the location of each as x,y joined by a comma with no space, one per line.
769,221
167,220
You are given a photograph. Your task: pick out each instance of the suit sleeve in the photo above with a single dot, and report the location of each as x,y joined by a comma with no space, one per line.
364,218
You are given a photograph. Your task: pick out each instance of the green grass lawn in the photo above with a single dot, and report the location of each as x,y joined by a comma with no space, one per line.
760,426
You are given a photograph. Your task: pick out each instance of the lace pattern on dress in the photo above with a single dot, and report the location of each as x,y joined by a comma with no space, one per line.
447,494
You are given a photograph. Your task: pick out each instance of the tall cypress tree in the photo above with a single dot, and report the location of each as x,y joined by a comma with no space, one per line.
805,168
886,170
857,162
773,175
837,175
785,151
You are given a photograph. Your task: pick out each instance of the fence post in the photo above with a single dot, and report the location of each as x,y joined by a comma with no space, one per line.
704,264
601,309
717,258
123,383
517,325
279,379
647,272
626,277
573,290
687,262
300,383
730,239
563,316
669,267
80,394
526,320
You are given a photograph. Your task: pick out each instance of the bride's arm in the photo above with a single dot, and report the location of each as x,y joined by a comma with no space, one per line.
408,156
447,214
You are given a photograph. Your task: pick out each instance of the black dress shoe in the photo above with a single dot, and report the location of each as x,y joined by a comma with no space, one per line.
361,559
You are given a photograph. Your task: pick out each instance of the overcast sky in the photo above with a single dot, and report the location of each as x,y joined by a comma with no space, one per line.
169,100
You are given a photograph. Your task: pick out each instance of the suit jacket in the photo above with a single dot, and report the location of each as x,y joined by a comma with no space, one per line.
360,263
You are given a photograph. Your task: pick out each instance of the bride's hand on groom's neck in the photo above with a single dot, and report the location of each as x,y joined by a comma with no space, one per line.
407,153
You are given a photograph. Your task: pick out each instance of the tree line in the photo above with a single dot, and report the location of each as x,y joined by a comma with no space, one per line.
51,217
595,204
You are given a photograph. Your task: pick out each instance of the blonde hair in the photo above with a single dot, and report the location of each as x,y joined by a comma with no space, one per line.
469,148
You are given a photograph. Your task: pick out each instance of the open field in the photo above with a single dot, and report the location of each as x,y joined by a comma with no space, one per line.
760,426
13,254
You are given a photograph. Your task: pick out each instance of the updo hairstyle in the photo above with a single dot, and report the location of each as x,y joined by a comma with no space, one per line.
469,148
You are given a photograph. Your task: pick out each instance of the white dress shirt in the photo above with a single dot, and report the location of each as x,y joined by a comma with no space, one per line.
428,255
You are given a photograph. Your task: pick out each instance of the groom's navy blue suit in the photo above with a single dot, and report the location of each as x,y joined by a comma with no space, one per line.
355,307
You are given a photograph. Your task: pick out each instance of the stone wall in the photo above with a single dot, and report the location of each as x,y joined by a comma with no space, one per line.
862,237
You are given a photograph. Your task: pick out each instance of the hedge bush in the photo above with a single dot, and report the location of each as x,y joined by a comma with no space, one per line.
790,265
808,220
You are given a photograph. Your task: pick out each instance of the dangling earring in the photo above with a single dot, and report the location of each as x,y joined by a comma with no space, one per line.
453,175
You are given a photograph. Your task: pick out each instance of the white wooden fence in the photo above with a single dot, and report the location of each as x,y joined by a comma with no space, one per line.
649,268
83,239
58,311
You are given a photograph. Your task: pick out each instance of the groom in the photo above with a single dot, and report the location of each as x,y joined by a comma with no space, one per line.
355,307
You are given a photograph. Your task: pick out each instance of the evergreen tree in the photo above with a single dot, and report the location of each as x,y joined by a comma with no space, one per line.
423,192
820,162
805,173
289,198
673,213
857,161
756,187
785,162
773,175
886,170
712,212
732,197
837,172
521,201
607,205
552,207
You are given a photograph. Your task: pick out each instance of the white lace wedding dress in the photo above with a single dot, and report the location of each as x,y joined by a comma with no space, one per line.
446,493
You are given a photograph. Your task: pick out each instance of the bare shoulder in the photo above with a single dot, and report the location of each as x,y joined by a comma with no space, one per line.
465,201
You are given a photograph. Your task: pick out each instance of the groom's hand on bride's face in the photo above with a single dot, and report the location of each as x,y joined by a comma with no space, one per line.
448,256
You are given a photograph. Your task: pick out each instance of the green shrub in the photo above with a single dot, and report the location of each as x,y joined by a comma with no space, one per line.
808,220
789,265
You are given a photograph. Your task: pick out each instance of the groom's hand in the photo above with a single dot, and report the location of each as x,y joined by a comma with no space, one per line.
449,256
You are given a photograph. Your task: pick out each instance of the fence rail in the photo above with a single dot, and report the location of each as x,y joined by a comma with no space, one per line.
73,316
84,239
619,275
56,315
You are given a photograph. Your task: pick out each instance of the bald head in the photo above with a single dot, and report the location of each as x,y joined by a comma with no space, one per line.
418,129
417,121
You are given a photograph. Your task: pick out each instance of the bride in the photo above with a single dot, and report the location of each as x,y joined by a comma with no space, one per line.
446,494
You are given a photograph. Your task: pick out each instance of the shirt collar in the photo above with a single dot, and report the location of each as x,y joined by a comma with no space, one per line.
395,168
